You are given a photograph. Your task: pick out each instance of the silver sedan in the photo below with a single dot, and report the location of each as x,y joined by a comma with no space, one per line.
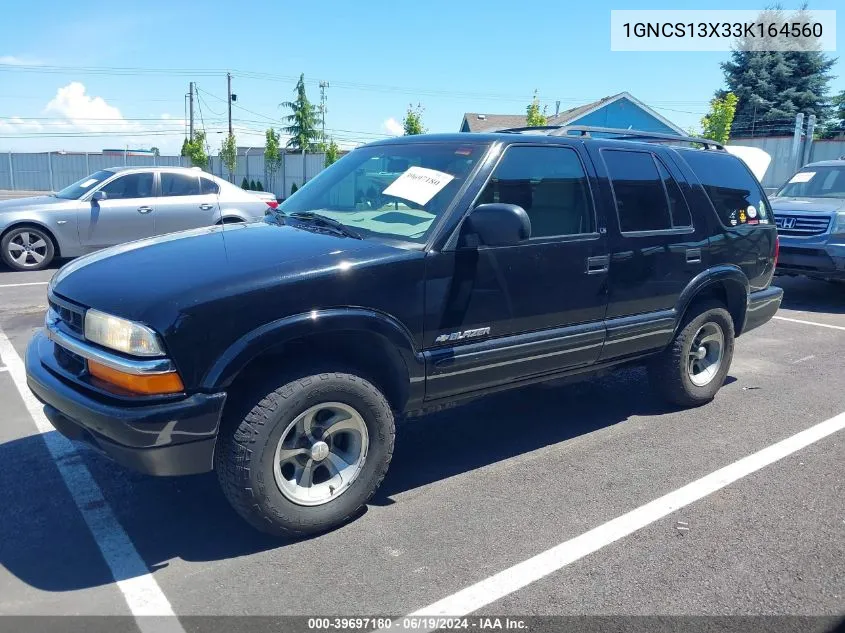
117,205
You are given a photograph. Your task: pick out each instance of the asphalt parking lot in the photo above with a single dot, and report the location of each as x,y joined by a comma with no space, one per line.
472,492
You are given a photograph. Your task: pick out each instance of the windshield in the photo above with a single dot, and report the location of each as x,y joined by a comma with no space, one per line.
395,191
78,189
816,182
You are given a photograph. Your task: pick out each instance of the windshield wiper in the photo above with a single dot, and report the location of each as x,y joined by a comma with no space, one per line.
324,221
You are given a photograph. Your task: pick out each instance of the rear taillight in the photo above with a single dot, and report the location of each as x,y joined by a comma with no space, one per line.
777,248
273,204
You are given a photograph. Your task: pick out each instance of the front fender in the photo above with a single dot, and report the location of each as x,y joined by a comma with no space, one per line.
277,333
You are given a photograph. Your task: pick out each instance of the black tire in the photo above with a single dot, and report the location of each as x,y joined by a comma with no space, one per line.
246,451
36,239
668,371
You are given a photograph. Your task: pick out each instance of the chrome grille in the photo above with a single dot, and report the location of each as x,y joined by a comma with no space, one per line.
789,224
72,316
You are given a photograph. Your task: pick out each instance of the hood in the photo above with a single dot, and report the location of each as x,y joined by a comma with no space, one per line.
34,202
166,276
807,205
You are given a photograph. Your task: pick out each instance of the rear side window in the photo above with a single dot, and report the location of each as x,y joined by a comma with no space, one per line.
677,204
209,186
647,197
549,183
735,193
173,184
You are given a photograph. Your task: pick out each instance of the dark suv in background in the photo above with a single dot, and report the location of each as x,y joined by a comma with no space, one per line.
413,274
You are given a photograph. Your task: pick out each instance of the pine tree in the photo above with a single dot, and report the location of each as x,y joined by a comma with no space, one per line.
773,86
245,184
303,119
293,189
252,185
259,186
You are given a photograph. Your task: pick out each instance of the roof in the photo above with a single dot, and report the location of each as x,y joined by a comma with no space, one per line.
137,167
486,138
478,122
836,162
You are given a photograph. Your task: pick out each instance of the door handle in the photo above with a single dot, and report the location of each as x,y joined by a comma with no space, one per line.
144,209
598,264
693,256
205,206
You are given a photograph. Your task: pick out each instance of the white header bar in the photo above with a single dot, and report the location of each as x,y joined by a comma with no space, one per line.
722,30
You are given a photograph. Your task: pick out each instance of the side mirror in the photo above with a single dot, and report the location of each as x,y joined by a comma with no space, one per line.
97,196
497,224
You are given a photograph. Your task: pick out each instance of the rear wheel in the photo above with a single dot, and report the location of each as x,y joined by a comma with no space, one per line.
307,455
27,248
693,368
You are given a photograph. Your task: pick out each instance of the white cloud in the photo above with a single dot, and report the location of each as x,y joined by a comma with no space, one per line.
392,126
79,121
11,60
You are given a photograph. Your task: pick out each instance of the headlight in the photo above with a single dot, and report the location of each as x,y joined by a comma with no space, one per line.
121,335
838,223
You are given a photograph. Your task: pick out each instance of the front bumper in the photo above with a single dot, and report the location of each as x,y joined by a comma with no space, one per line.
762,306
820,257
172,437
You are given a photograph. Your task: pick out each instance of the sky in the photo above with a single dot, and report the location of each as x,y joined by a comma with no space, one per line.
64,83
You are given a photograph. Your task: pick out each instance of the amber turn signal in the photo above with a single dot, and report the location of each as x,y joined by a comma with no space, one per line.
150,384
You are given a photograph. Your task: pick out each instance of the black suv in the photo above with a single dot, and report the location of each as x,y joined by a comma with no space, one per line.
415,273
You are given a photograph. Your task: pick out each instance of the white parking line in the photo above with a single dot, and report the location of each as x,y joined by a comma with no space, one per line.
522,574
31,283
816,323
140,590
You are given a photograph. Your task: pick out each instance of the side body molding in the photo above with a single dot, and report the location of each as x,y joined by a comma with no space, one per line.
405,360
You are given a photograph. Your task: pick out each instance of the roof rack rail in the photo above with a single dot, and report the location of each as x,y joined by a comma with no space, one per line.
623,134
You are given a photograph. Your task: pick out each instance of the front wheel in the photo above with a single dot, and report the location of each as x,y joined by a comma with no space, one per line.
27,248
693,368
308,455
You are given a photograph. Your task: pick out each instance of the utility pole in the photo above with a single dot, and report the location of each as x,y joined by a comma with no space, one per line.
191,100
323,86
230,99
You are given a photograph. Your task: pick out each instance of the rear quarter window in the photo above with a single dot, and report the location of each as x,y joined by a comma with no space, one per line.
734,192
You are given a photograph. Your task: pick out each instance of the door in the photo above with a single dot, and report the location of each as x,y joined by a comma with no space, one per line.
655,250
499,314
125,214
184,203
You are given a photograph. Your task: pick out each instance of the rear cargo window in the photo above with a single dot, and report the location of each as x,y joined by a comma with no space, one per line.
735,193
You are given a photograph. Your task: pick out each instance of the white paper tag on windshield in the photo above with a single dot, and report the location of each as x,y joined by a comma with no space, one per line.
803,176
418,184
88,183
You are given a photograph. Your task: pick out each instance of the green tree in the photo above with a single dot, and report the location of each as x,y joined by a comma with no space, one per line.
293,189
185,147
253,186
533,116
195,150
773,86
229,154
245,184
837,124
156,151
259,186
303,119
716,124
332,153
412,123
272,156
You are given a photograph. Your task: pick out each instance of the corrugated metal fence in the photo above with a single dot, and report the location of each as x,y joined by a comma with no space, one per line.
52,171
